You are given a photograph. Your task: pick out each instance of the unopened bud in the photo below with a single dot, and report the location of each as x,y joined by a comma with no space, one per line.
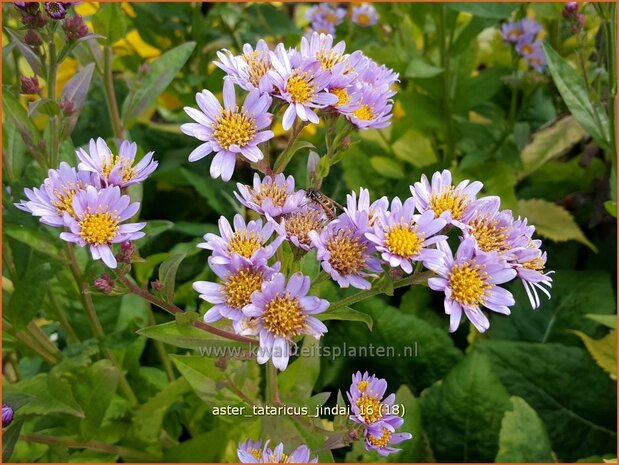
126,253
35,21
7,415
353,435
144,68
104,283
29,86
28,7
75,28
32,38
570,9
156,285
221,363
67,107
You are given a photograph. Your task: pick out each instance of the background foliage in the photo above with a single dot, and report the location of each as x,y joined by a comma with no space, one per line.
539,386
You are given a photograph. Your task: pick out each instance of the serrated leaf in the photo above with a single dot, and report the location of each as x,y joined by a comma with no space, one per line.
161,73
603,351
549,143
346,314
592,117
523,436
167,276
552,221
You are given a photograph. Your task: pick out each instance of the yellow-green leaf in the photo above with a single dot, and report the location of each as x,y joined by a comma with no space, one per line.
603,351
552,221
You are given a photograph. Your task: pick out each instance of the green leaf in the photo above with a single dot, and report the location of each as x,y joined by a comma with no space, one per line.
346,314
549,143
610,321
415,148
387,167
603,351
207,188
38,239
486,10
9,439
189,337
30,290
161,73
523,436
591,116
32,58
17,113
571,394
574,295
416,449
43,106
297,381
419,67
167,276
462,413
110,22
552,221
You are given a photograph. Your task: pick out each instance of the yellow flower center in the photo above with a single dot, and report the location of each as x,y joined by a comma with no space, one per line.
99,228
514,34
404,241
330,18
382,440
489,235
329,59
300,223
536,264
128,173
363,19
347,253
468,283
527,49
276,192
257,453
364,113
234,128
299,87
343,98
362,385
370,408
282,316
448,200
239,287
259,64
245,243
64,198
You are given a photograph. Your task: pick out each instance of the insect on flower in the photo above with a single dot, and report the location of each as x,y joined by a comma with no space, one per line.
327,204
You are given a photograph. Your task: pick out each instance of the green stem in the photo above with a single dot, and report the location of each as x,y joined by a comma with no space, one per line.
91,445
110,95
285,157
359,296
27,339
52,69
234,388
449,154
173,309
163,354
37,333
95,323
272,393
62,318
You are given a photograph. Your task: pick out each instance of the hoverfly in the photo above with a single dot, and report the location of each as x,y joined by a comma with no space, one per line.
327,204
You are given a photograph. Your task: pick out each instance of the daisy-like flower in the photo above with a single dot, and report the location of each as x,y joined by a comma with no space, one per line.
355,204
249,70
57,10
381,435
239,281
273,197
322,27
529,264
55,196
116,170
345,253
402,240
326,14
96,221
303,86
364,15
444,199
533,53
470,281
251,452
229,130
373,108
526,30
298,224
320,47
247,241
282,312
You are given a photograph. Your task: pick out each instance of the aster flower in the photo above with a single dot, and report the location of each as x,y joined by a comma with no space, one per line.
324,13
533,53
229,130
401,239
364,15
282,312
54,197
247,241
470,281
253,452
345,253
239,280
322,27
373,108
355,204
298,224
320,47
96,221
379,78
116,170
529,264
302,86
56,10
381,435
444,199
526,29
249,70
273,197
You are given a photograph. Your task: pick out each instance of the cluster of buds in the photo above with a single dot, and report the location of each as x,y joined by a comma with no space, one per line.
34,18
29,85
75,28
575,18
104,283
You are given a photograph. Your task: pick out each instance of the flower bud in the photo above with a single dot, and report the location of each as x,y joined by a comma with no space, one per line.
570,9
156,285
75,28
67,107
55,10
29,86
32,38
104,283
221,363
353,435
127,250
7,415
35,21
28,7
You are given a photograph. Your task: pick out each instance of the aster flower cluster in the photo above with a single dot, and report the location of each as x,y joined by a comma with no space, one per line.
89,202
523,34
254,452
316,79
325,17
